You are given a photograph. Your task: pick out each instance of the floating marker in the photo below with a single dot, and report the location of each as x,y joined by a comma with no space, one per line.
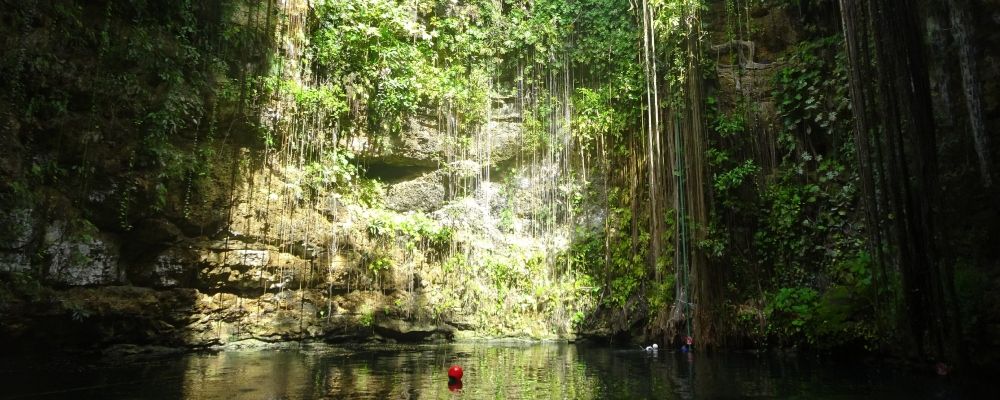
454,374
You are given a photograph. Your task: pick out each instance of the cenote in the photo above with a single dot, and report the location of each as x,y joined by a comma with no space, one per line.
805,191
492,371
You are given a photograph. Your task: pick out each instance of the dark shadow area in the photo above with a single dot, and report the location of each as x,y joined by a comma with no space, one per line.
394,173
41,319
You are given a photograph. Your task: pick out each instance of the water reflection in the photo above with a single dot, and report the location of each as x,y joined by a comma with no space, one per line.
492,371
392,372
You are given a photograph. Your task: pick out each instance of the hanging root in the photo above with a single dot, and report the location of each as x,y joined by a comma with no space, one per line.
746,59
677,320
970,84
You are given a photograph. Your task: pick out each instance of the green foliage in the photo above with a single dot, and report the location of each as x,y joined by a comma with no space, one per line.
735,177
506,222
381,59
125,90
456,264
503,273
622,289
622,264
661,294
595,115
726,149
20,285
798,235
811,92
333,170
326,98
77,311
367,318
839,314
46,172
535,131
379,264
409,232
791,309
385,62
808,225
728,125
413,229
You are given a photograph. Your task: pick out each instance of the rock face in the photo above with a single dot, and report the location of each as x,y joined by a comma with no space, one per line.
425,193
275,256
421,144
465,215
14,261
173,268
503,140
222,222
80,256
252,269
97,317
412,331
424,142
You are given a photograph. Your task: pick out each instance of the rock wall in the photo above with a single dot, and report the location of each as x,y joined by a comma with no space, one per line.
156,196
260,254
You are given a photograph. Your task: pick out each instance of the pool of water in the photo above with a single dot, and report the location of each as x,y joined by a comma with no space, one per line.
492,371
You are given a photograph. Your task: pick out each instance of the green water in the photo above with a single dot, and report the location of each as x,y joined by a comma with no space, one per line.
492,371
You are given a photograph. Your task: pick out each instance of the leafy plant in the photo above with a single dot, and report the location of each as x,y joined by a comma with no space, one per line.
379,264
367,318
811,92
796,306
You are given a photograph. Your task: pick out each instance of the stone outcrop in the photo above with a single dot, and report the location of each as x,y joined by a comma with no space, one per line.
173,268
425,193
424,141
420,144
80,256
97,317
412,331
503,140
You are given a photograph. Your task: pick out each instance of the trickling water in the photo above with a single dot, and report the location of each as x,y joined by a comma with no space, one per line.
488,176
531,371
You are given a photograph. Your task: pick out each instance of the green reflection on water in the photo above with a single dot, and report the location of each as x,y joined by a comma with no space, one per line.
394,372
492,371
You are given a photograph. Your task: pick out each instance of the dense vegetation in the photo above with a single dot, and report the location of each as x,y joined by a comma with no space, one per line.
700,189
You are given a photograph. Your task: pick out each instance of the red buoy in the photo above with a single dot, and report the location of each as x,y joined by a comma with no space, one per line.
455,372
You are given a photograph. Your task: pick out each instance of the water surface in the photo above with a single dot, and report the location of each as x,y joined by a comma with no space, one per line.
492,371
